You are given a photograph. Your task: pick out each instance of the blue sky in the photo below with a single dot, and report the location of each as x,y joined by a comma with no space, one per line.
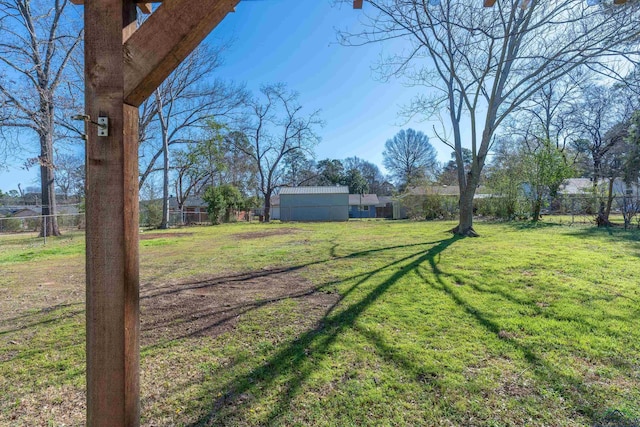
295,42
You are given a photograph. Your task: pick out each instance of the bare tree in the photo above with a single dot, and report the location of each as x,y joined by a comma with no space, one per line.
238,169
483,63
594,116
179,111
546,116
190,173
70,174
36,46
298,169
276,126
602,118
410,157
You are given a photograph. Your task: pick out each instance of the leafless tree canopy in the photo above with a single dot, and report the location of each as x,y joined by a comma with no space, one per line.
37,43
180,110
183,104
410,157
276,125
483,63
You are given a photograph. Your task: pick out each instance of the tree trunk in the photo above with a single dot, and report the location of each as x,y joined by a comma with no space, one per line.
267,206
602,219
47,184
607,212
537,207
164,224
465,224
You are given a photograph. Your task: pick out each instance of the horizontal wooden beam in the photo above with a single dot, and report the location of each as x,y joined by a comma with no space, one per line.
164,40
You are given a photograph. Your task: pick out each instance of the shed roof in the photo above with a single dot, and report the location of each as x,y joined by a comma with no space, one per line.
27,212
383,200
191,202
342,189
363,199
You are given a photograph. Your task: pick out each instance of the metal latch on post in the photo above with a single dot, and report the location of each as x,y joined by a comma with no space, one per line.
103,126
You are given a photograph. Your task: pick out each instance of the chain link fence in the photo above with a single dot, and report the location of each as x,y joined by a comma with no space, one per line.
34,223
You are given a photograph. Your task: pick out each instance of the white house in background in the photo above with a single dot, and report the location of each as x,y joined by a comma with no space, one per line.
584,186
194,210
576,186
275,207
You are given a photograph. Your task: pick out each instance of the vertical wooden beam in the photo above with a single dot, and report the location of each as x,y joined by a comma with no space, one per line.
112,221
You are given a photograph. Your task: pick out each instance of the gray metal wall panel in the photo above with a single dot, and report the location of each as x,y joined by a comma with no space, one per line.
314,207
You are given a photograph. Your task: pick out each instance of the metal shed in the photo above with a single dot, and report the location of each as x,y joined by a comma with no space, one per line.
314,203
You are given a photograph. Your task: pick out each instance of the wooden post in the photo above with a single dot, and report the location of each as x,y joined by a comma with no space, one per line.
112,221
120,73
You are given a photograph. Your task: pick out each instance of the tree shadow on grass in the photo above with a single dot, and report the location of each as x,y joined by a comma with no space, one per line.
149,291
531,225
19,343
212,306
294,361
571,387
614,234
40,318
282,376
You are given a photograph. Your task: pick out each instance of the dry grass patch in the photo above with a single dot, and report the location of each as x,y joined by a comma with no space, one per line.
213,306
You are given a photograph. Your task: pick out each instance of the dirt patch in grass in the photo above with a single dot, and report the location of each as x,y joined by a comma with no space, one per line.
267,233
170,311
212,306
150,236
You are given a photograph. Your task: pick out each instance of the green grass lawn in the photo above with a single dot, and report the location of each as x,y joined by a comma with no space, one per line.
346,324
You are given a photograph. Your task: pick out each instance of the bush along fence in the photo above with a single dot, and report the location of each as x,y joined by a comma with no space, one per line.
34,223
581,208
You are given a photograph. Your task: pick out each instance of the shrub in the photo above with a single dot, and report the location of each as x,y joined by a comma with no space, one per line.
10,224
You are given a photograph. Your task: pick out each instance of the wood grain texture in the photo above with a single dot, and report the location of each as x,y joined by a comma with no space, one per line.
172,31
111,220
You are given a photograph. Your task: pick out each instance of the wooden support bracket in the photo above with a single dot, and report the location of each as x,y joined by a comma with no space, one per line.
165,40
